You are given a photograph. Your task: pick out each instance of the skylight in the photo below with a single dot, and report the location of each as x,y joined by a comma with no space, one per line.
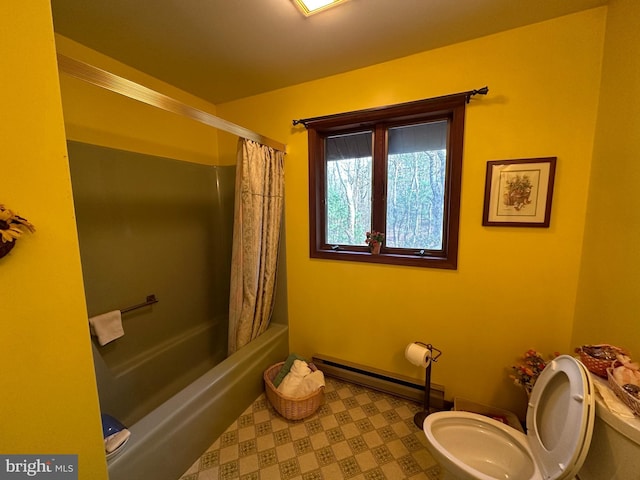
309,7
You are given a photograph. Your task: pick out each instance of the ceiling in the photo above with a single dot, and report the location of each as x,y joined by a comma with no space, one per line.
222,50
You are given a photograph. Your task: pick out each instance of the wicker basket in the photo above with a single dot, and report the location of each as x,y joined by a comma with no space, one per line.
629,400
597,365
288,407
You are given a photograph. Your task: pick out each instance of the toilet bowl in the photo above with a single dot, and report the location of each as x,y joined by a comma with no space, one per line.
560,418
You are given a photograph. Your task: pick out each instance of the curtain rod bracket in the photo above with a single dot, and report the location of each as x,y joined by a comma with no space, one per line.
480,91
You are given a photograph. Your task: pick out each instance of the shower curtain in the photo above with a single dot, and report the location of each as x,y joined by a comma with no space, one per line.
258,209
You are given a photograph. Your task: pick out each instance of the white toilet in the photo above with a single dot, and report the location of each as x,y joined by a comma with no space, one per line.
560,419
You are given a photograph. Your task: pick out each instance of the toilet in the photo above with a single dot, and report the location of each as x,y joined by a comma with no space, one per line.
560,420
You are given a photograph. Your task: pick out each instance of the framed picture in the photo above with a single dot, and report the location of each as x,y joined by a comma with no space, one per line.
518,193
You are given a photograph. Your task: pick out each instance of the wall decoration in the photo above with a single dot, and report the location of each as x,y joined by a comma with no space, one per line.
518,193
12,226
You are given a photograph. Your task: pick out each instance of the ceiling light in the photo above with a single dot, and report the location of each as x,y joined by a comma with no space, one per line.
309,7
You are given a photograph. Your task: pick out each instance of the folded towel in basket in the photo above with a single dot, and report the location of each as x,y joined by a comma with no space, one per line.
107,327
310,384
301,381
284,370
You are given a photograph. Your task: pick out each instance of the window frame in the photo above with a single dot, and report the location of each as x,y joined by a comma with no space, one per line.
379,120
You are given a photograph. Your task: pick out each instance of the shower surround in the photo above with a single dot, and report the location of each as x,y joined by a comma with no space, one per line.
153,225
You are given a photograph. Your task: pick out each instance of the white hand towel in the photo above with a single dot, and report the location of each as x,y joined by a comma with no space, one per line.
107,327
292,381
300,368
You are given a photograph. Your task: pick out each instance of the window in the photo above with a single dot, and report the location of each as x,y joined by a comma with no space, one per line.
395,170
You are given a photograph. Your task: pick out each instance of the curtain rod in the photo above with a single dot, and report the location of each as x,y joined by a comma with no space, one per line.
468,95
109,81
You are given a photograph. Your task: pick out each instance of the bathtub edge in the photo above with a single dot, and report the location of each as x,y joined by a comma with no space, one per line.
165,443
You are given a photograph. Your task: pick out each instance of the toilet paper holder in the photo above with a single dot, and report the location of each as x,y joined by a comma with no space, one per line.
434,354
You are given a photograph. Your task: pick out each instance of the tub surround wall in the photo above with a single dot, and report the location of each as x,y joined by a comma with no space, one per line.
147,225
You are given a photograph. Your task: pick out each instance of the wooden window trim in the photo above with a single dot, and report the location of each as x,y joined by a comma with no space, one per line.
451,107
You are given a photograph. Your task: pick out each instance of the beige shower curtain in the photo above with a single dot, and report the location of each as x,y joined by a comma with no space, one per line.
259,201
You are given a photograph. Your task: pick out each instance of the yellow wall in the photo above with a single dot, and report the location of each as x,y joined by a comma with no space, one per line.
49,403
100,117
514,288
607,308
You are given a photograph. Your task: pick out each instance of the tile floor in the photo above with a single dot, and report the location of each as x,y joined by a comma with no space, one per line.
357,433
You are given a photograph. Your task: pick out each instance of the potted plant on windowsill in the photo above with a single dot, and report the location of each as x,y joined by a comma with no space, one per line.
12,226
374,240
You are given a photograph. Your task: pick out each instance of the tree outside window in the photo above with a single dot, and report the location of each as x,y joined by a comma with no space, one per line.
395,170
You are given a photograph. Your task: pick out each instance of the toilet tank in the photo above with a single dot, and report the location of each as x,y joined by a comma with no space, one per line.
614,453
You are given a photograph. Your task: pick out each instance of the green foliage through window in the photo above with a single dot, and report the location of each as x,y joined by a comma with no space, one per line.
395,170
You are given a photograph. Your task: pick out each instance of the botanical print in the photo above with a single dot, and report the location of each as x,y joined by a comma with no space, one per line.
518,192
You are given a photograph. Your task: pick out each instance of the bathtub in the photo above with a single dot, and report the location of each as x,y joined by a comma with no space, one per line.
166,442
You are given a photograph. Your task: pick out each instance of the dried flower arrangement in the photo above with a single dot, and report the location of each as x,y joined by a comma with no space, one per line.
12,226
526,373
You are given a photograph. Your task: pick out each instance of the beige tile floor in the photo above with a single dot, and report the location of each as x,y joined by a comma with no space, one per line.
357,433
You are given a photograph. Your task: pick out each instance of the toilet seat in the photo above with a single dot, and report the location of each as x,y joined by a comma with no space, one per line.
560,418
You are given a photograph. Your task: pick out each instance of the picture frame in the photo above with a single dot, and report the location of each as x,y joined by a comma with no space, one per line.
518,193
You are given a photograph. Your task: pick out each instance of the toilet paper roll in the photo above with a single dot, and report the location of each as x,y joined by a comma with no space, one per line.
418,354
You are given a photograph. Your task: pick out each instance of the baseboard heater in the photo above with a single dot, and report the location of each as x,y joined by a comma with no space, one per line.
387,382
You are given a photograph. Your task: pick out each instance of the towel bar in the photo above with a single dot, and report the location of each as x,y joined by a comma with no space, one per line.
151,299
